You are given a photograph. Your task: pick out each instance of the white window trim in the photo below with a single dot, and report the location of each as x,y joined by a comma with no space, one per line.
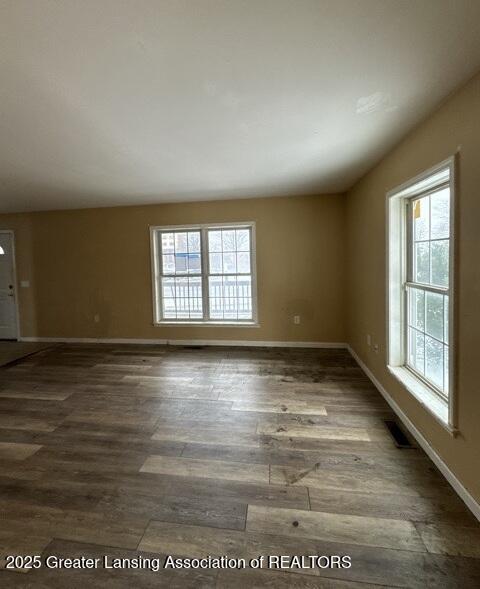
156,274
445,412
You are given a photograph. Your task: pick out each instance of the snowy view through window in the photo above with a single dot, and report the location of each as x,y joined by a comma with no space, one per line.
427,289
214,265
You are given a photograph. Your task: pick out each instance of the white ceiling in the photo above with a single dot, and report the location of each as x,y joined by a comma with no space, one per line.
109,102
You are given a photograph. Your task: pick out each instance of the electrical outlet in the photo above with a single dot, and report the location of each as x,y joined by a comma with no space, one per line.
296,319
96,318
375,348
369,340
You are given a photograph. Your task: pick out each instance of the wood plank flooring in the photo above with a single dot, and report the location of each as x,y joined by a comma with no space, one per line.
148,451
12,350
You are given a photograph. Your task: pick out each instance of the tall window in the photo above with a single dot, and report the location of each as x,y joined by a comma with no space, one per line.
204,274
420,289
427,286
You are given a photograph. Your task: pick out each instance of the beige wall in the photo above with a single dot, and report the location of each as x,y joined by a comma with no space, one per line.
92,261
456,123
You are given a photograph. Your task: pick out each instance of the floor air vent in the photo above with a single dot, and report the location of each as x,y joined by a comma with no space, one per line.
399,437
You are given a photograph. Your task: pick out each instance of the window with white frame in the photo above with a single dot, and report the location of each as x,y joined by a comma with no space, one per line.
420,288
204,274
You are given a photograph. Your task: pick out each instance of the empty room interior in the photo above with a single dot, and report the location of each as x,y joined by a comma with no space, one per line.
240,293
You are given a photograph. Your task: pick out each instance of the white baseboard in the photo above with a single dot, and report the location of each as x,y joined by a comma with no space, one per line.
93,340
187,342
461,491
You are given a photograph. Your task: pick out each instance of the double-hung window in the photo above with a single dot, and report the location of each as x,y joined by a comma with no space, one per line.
421,288
204,274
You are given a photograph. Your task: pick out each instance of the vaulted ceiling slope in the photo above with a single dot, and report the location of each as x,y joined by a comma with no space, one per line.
105,102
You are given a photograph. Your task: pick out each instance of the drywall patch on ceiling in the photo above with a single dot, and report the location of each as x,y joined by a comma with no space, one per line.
376,102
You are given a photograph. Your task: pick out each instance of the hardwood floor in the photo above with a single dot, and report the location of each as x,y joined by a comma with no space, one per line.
12,350
130,451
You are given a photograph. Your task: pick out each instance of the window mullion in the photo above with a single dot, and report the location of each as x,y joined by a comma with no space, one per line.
205,273
408,270
428,287
161,273
410,243
158,274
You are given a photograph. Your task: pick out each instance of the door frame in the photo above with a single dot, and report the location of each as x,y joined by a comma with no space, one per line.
11,232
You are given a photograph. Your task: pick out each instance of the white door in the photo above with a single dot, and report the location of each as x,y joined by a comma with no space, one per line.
8,309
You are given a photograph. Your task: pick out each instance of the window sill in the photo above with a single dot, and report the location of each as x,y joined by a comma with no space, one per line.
425,396
207,323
